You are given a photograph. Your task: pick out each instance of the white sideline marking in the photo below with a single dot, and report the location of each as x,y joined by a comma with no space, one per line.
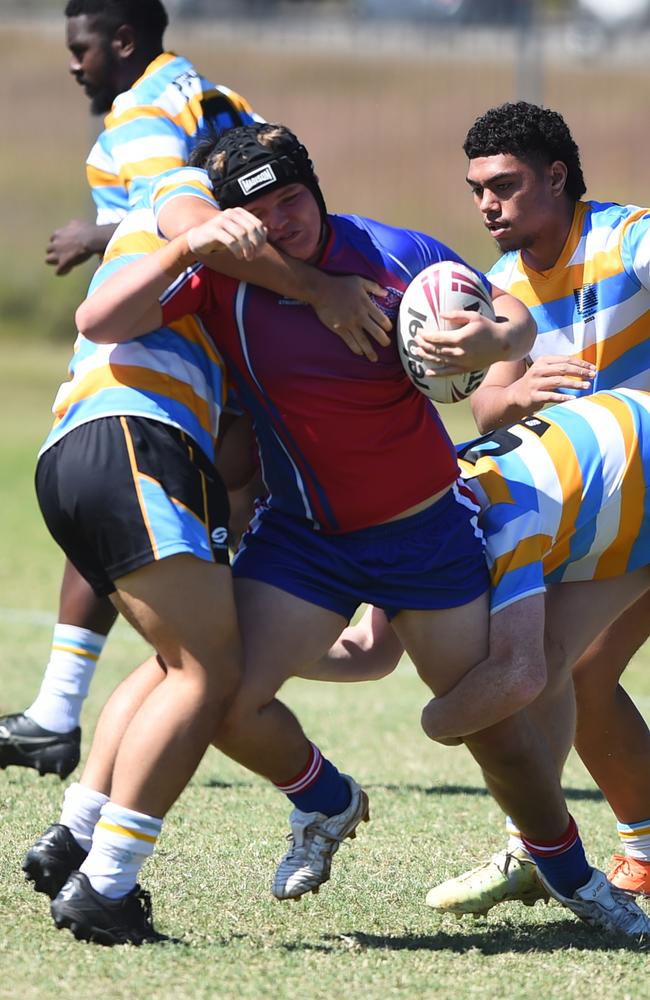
47,619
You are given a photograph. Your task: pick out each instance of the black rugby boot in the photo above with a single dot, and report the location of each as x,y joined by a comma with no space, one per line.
52,859
93,917
26,744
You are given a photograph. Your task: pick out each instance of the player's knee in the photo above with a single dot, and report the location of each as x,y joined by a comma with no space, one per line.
241,717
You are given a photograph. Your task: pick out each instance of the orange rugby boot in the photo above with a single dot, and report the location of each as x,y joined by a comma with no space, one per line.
630,874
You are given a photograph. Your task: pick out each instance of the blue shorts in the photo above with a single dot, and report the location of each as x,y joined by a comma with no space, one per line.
433,559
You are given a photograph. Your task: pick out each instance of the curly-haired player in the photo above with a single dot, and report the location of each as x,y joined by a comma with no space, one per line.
583,269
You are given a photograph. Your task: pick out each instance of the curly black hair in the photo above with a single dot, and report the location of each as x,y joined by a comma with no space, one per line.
533,134
147,17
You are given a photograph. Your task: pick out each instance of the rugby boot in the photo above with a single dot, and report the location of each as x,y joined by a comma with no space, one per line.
26,744
630,874
315,839
52,859
509,875
93,917
602,905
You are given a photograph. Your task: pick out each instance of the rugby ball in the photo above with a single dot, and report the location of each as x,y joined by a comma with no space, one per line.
439,288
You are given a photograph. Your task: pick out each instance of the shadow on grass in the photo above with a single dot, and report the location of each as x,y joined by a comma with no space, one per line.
573,794
216,783
512,939
576,794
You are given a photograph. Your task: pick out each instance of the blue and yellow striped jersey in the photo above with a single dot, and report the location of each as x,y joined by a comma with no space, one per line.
153,127
594,303
179,182
173,374
565,494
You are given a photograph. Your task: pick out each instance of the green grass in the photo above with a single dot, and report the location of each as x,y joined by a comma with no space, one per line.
367,933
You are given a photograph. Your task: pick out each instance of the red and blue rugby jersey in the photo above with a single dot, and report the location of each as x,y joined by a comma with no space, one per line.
344,442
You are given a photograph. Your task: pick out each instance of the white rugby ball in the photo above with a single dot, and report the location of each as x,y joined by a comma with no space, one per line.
441,287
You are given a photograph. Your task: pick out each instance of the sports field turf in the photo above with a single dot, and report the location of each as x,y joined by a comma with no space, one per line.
396,126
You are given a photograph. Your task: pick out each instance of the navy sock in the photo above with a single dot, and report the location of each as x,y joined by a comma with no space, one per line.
562,862
319,787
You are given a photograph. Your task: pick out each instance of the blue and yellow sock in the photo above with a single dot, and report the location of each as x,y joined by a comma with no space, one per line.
64,688
122,842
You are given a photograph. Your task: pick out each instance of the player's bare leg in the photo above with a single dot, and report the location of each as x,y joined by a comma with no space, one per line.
113,721
445,645
184,606
282,635
80,605
46,735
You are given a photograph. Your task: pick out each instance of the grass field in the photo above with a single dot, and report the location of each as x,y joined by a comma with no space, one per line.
367,934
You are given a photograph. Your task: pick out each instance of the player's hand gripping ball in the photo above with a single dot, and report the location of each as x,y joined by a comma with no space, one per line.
441,287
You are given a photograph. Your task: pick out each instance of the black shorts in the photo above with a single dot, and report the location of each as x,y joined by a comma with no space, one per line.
118,493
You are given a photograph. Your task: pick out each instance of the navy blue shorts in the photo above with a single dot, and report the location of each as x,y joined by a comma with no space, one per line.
431,560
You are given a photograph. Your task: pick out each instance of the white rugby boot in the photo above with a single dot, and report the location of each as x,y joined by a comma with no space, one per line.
602,905
315,839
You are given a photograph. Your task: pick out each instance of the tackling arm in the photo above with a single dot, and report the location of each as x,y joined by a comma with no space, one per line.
366,651
344,304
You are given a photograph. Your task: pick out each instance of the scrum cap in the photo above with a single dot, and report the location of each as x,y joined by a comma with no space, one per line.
251,169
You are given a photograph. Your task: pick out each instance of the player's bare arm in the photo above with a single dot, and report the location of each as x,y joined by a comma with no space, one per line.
75,243
127,306
365,651
345,304
514,390
477,341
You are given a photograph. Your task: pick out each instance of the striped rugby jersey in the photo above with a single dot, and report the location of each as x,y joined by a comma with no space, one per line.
173,375
153,127
594,303
564,495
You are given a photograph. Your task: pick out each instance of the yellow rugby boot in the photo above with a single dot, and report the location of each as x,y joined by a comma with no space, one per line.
509,875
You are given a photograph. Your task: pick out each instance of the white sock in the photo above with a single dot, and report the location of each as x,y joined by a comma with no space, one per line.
122,842
514,836
635,838
67,678
80,812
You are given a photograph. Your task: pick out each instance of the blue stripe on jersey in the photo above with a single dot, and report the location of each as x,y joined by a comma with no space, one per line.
633,238
517,584
606,215
113,197
168,341
626,367
520,485
131,131
640,553
179,189
586,447
110,267
562,313
274,439
126,401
